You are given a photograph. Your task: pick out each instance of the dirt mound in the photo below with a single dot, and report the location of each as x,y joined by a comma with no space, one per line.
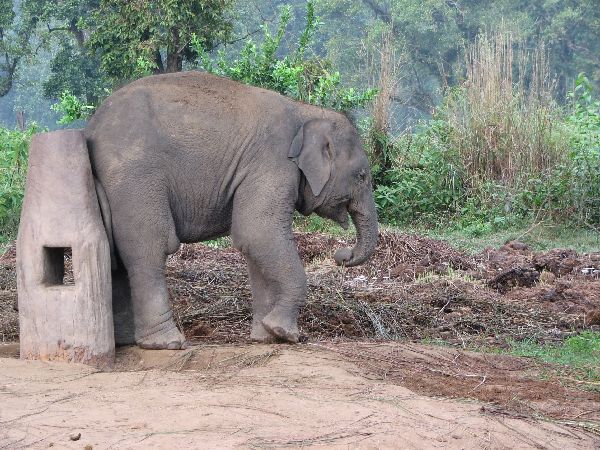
406,256
511,278
413,288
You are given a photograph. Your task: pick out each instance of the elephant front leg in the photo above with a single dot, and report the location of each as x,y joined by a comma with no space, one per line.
278,285
262,303
262,229
287,286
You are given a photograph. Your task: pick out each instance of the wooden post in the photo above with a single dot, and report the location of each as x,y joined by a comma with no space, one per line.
63,316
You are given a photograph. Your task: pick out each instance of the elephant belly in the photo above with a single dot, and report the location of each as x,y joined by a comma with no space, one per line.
203,225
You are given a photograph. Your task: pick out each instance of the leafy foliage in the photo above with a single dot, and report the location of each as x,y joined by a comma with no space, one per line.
72,108
310,80
585,153
62,27
431,177
424,181
15,33
75,70
154,36
14,147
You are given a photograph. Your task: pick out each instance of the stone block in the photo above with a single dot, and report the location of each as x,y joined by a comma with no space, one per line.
63,315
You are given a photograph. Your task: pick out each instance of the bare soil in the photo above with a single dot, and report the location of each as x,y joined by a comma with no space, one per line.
414,289
267,396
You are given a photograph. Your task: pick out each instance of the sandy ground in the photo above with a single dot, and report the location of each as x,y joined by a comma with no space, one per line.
353,385
249,396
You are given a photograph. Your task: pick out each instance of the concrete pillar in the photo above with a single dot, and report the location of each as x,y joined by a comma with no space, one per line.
63,316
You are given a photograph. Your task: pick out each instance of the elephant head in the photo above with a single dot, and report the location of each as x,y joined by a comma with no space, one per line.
336,182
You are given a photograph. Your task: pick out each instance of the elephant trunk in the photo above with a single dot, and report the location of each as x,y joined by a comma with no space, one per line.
364,216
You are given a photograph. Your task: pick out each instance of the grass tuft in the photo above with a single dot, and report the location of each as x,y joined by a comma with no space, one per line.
580,353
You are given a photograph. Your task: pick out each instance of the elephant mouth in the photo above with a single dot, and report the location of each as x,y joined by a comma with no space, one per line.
344,222
341,216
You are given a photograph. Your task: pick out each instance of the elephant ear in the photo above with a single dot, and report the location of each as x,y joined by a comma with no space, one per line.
311,150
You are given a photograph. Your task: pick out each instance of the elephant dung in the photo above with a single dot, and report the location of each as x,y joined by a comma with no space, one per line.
63,316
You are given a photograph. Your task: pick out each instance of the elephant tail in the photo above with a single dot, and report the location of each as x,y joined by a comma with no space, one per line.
106,218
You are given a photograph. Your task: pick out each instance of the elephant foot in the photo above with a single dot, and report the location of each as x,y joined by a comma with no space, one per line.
170,339
282,330
260,334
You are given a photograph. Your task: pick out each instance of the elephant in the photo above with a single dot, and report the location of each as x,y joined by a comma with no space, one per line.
190,156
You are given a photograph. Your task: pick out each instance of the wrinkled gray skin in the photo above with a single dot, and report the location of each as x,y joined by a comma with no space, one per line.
189,157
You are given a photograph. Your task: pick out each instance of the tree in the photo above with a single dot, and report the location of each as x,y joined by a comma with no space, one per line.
15,31
288,71
430,36
134,37
66,27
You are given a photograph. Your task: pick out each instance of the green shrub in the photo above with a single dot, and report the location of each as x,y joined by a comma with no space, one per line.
14,147
423,183
311,80
72,108
585,152
495,154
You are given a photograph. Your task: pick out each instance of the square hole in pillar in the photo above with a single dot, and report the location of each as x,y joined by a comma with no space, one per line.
58,266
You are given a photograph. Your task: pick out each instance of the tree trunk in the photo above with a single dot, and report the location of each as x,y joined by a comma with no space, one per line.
6,82
21,120
174,53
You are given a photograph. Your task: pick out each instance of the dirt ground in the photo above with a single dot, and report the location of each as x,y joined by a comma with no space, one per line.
351,384
260,396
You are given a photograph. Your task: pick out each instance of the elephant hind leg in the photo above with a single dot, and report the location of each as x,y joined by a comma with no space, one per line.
155,326
143,239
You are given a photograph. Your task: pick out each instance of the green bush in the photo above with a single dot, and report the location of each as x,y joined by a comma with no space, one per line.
424,181
14,147
72,108
571,192
311,80
585,152
430,175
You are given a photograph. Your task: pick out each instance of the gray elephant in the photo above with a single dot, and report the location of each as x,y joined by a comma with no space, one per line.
189,157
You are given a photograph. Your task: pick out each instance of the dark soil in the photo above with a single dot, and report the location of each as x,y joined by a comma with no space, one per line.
509,385
413,288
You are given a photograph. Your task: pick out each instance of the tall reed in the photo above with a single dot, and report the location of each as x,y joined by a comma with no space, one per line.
504,122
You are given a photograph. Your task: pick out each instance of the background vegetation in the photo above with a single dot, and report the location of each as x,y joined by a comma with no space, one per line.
479,117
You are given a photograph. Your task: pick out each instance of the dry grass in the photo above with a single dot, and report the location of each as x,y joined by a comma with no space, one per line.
504,123
386,66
